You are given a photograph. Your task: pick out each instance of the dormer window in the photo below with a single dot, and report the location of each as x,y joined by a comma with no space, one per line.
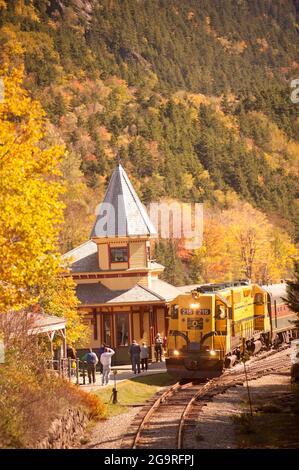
119,255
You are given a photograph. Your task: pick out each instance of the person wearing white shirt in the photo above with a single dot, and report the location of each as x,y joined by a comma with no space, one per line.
105,360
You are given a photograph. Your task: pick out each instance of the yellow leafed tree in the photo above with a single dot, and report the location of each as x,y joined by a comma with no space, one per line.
30,211
211,262
58,295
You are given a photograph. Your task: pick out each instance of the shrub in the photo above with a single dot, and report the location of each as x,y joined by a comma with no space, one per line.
31,396
93,404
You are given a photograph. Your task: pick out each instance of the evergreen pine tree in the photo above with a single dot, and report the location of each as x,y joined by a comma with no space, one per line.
292,299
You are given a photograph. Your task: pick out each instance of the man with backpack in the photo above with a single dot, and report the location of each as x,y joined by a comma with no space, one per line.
92,360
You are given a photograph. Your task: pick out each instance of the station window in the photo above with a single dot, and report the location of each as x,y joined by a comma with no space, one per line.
119,255
174,312
107,336
220,312
258,299
122,329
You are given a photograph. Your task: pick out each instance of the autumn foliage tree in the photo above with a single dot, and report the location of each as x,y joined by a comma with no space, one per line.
58,295
30,210
241,242
293,291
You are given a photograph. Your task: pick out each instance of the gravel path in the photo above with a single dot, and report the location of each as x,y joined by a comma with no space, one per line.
214,429
108,434
268,387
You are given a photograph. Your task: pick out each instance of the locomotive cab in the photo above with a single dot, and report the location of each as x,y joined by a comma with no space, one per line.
192,349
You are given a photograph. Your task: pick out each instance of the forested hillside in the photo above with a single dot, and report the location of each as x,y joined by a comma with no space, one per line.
193,95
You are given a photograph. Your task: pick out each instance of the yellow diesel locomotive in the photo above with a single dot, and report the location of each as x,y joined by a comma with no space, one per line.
211,327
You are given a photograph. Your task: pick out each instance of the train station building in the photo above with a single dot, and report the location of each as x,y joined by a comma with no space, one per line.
118,285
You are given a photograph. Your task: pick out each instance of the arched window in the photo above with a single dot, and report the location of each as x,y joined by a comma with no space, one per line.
258,299
220,312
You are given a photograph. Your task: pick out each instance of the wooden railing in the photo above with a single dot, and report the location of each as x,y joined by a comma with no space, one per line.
69,368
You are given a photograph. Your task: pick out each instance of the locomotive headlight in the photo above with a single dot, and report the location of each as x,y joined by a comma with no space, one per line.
176,352
194,306
212,352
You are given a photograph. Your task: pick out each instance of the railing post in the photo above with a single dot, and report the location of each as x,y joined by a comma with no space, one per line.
77,371
83,372
69,364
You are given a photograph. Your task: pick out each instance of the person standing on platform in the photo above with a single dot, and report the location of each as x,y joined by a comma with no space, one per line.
144,357
92,360
134,352
106,363
158,347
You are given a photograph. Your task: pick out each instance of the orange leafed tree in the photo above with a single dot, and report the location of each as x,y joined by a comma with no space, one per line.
241,243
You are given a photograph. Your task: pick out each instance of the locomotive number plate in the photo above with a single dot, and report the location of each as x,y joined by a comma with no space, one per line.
203,311
186,311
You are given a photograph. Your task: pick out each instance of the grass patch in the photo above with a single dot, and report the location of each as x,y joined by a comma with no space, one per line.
275,431
274,423
245,423
134,392
270,408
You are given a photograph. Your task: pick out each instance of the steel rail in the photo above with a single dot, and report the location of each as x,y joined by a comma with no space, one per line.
152,409
186,411
222,383
227,381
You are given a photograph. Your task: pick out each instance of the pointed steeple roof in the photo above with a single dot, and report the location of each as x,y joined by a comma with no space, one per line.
121,214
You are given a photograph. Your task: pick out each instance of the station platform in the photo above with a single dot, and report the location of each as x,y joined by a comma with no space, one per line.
123,372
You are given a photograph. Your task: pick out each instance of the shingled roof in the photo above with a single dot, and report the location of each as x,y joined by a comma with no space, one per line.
164,290
83,258
121,214
97,293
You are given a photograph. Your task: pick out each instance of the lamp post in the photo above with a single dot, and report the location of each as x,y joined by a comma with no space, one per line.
247,385
114,391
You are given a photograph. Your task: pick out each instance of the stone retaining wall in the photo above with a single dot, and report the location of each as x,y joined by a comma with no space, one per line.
65,431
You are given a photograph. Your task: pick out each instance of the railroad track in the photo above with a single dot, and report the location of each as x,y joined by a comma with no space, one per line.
160,421
165,421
